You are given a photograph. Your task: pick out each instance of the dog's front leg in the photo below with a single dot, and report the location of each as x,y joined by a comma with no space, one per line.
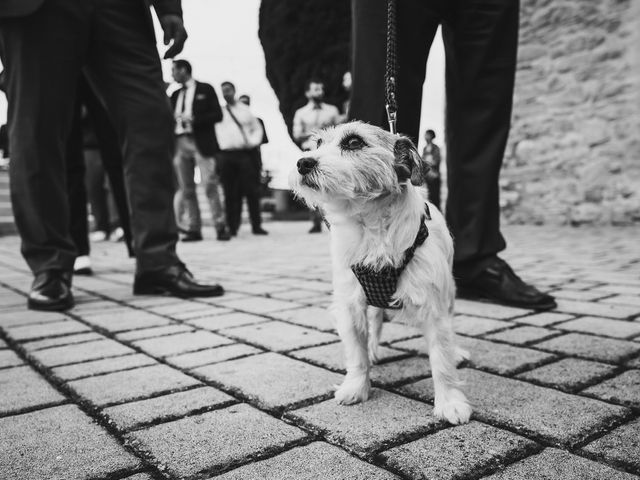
351,322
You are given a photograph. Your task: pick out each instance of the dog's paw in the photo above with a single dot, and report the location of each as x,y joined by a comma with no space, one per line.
455,409
461,355
353,390
374,353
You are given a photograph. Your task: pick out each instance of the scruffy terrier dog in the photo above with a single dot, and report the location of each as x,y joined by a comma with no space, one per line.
390,250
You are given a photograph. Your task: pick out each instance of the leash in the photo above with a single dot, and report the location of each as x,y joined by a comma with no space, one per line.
391,68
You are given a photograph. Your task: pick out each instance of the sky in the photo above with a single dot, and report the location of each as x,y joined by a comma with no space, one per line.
223,45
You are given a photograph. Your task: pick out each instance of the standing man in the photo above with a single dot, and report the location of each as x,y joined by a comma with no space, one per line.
196,110
239,134
432,157
315,115
481,42
45,44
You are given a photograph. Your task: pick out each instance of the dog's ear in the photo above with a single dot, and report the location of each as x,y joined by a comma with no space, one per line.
409,164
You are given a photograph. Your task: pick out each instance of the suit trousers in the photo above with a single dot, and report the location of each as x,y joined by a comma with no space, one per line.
480,39
186,200
43,54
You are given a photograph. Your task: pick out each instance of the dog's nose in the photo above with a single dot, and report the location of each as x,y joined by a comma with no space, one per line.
306,164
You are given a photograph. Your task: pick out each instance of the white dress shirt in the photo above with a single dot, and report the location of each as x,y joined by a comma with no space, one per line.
245,136
184,108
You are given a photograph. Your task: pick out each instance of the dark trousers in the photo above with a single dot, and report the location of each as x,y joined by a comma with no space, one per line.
76,191
43,54
434,188
481,39
240,177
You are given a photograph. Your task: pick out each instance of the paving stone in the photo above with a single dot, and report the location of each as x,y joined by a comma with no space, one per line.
236,433
544,319
153,332
625,389
597,309
131,384
208,311
271,380
384,419
569,374
23,388
99,367
21,317
619,289
590,347
259,305
9,359
129,319
3,345
279,336
24,333
59,443
634,363
500,358
556,464
393,331
212,355
181,306
331,356
313,317
464,451
623,300
620,447
140,476
400,371
468,325
318,460
548,414
82,352
602,326
181,343
227,320
582,295
523,335
66,340
167,407
490,310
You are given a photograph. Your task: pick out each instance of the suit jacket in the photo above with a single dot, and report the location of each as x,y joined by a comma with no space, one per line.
206,113
20,8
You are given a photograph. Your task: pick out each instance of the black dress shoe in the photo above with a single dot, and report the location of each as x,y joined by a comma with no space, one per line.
175,280
498,283
192,237
51,291
223,234
260,231
316,229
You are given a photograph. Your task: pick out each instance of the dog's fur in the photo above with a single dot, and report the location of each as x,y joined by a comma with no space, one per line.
364,179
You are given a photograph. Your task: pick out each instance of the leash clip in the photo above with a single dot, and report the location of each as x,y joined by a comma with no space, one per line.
391,118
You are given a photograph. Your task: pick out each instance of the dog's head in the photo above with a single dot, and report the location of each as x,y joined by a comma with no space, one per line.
356,161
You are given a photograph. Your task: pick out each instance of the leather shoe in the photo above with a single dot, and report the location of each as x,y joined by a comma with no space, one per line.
192,237
223,234
175,280
498,283
51,291
260,231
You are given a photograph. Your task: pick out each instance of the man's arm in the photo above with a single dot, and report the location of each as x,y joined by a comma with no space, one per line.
298,129
213,111
170,17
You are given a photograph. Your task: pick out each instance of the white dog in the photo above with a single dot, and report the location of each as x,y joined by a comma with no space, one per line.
363,179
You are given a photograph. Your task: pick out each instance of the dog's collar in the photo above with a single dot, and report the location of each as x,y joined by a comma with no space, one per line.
379,285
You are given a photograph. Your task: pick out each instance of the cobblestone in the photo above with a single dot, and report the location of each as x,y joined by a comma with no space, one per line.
619,447
22,388
9,359
569,374
522,335
82,352
602,326
106,365
331,356
313,317
180,343
212,355
591,347
625,389
25,333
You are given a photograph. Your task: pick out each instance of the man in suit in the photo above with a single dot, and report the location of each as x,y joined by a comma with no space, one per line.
481,41
196,110
44,46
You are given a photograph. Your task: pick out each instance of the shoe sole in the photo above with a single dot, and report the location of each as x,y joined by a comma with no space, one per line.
475,295
166,292
54,307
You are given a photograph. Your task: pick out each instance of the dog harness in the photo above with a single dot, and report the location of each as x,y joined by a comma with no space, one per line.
379,285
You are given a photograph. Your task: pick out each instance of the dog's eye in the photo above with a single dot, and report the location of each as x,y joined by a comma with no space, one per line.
318,143
352,142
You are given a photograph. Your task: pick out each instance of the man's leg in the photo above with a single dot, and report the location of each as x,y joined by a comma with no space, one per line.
42,55
211,182
230,187
184,163
125,67
251,187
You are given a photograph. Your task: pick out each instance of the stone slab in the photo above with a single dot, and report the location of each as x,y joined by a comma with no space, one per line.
312,317
60,341
400,371
271,380
591,347
557,464
181,343
544,319
121,320
473,326
166,407
23,388
153,332
82,352
380,422
523,335
625,389
464,451
331,356
131,384
318,460
212,355
602,326
490,310
99,367
25,317
207,311
620,447
9,359
568,374
597,309
24,333
59,443
227,320
236,434
393,331
259,305
279,336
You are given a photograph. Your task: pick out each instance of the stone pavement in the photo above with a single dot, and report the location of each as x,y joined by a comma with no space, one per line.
240,387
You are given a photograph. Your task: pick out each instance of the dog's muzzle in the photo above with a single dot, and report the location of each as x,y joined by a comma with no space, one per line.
306,165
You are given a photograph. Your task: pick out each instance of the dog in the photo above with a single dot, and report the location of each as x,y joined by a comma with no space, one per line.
366,181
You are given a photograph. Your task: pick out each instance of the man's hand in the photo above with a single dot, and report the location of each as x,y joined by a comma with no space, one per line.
173,28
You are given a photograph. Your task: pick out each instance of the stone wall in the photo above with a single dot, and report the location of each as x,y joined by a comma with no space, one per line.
574,150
